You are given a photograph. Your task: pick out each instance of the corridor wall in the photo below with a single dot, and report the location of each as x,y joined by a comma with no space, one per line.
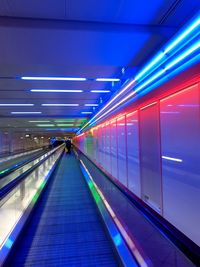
154,152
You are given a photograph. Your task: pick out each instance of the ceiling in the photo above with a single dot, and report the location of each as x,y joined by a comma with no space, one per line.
74,38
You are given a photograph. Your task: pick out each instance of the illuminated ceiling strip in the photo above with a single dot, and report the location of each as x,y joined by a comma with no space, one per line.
91,105
183,55
160,72
32,78
150,80
107,79
63,125
39,121
129,95
86,112
60,105
194,25
149,66
100,91
16,105
127,86
26,112
55,91
163,54
45,125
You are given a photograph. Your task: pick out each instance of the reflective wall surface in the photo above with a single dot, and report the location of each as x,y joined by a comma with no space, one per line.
155,152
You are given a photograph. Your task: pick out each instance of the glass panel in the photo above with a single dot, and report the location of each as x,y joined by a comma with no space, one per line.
134,183
107,149
121,142
150,156
113,131
180,132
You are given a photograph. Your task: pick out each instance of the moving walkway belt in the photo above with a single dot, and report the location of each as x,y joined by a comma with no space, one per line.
65,228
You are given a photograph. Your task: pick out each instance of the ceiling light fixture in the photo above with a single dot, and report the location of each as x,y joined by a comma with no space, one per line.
16,105
60,105
107,79
34,78
45,125
39,121
55,91
91,105
64,125
86,112
26,112
100,91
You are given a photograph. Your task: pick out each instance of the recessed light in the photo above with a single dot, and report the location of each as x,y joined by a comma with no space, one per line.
60,105
16,105
100,91
45,125
107,79
55,91
52,78
64,125
39,121
65,121
26,112
91,105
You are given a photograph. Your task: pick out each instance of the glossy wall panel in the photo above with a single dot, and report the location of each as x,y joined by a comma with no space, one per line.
95,148
150,156
180,134
133,160
100,145
155,152
103,131
107,148
121,150
113,148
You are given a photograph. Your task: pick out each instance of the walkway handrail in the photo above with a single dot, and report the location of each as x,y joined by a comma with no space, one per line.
11,185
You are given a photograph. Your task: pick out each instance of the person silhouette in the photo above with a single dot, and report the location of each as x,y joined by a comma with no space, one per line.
68,145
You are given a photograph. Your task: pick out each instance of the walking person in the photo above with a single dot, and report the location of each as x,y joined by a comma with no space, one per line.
68,145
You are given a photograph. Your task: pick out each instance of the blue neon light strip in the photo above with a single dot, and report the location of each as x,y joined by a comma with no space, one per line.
158,59
178,51
155,77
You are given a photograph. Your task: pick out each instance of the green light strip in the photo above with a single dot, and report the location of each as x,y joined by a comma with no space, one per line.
4,171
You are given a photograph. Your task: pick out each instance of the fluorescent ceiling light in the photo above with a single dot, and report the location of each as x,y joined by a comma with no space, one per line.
26,112
45,125
72,120
39,121
153,64
52,78
107,79
127,86
100,91
91,105
16,105
55,91
64,125
86,112
60,105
